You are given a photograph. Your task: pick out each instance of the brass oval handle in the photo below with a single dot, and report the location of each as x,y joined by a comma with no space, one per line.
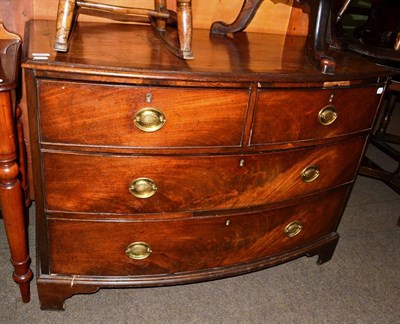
149,119
310,174
138,250
327,115
142,188
293,229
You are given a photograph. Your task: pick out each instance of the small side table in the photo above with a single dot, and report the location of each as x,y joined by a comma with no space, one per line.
12,162
386,143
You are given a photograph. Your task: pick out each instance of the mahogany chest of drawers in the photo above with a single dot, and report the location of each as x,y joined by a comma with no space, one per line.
152,171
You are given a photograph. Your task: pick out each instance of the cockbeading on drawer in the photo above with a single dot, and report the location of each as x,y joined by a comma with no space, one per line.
145,117
187,244
104,183
308,114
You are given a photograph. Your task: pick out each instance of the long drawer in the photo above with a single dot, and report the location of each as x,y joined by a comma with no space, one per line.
297,115
147,184
129,247
149,117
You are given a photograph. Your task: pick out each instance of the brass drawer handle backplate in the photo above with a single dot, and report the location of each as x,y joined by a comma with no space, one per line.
149,119
310,174
327,115
138,250
293,229
142,188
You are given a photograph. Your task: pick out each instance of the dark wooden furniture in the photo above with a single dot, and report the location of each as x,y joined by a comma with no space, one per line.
378,39
160,17
13,195
384,141
150,170
378,36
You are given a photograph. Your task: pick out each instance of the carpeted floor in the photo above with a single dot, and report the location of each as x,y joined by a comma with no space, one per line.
361,284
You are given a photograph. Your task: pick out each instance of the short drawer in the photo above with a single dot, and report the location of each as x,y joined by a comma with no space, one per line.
146,184
297,115
128,247
150,117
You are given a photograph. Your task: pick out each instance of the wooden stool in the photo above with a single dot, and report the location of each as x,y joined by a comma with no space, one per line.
159,17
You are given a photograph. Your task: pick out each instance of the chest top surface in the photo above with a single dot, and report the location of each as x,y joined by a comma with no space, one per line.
110,49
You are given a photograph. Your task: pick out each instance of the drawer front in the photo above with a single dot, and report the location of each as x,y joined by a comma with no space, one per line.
296,115
140,184
150,117
170,246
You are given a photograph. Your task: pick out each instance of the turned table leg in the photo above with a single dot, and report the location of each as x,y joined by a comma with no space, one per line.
184,14
158,6
11,198
66,15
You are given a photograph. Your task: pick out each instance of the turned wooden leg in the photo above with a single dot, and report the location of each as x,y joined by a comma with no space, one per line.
244,18
11,199
160,5
185,27
66,16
